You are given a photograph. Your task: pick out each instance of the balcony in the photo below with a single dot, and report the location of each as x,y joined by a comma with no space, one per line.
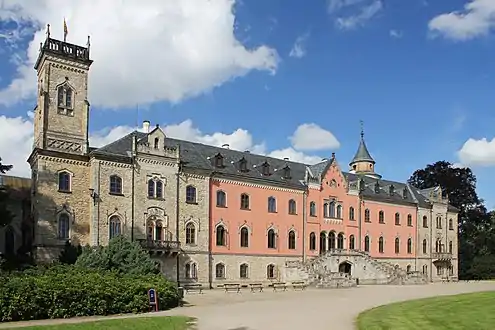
441,256
156,247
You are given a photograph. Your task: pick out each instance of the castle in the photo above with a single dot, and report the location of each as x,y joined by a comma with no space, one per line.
211,214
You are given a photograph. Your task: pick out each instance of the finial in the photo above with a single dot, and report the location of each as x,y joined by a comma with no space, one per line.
41,46
88,43
48,31
362,129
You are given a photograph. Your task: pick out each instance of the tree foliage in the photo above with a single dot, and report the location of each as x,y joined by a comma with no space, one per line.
5,215
121,255
70,253
476,234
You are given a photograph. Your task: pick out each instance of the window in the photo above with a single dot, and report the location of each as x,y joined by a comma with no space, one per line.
380,245
115,229
190,194
243,165
340,241
190,233
323,242
439,222
286,172
220,270
292,207
397,219
151,188
332,209
64,97
191,270
367,243
409,220
425,246
438,246
64,181
409,245
425,222
155,188
312,209
159,232
291,240
272,205
397,245
221,199
312,241
391,190
451,224
156,142
272,239
351,213
408,269
439,270
381,217
218,161
265,169
159,189
325,210
9,241
243,271
151,229
451,246
425,269
221,236
245,202
244,237
339,211
270,272
367,215
352,242
115,184
404,193
331,240
63,226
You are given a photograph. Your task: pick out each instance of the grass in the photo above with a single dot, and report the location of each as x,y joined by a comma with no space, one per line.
466,311
139,323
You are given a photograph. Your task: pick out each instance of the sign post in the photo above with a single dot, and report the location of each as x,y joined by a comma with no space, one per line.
153,300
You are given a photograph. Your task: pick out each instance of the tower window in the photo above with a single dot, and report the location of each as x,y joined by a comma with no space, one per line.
65,100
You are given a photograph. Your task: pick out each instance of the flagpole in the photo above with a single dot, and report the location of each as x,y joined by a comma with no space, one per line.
65,30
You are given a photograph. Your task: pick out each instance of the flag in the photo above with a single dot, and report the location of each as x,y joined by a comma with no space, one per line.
65,30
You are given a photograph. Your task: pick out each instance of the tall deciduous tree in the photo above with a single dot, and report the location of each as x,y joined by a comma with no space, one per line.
5,215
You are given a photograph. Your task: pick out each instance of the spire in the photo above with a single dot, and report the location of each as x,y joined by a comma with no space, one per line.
362,154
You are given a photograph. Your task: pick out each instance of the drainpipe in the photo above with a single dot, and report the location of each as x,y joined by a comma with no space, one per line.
431,243
418,244
210,236
360,212
133,189
305,200
98,207
177,220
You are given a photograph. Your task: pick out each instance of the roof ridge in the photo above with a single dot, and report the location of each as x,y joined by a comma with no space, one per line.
115,142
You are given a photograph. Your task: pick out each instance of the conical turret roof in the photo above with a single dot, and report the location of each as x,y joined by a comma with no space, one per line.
362,154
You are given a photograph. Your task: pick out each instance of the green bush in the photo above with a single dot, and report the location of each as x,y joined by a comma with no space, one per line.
65,291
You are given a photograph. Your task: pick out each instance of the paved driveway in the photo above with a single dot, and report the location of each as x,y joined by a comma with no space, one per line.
313,309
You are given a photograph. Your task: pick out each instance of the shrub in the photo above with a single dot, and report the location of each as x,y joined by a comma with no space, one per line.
63,291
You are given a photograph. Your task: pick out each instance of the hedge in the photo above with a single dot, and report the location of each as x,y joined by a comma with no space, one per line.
69,291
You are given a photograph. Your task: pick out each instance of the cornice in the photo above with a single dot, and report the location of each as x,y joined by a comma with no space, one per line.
114,164
156,162
63,160
259,186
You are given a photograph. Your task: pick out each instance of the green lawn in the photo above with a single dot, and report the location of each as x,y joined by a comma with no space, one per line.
140,323
467,311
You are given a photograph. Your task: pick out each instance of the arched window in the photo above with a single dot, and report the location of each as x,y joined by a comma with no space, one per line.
380,245
352,243
270,271
339,211
272,239
351,213
312,241
157,140
409,245
64,183
292,207
220,270
64,97
397,218
243,271
325,210
115,184
331,240
159,232
340,241
63,226
323,242
114,226
191,233
381,217
367,215
272,205
221,236
425,246
408,268
409,220
367,243
451,224
191,270
9,241
244,201
159,189
150,231
292,240
221,198
451,246
244,237
312,209
190,194
397,245
332,209
151,188
425,222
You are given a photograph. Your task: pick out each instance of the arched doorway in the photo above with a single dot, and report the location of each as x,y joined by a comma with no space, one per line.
345,267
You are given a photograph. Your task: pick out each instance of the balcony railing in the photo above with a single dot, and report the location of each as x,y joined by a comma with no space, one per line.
441,255
159,245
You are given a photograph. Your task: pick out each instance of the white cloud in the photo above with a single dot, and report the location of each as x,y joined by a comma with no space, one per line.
397,34
477,152
143,51
475,20
299,48
313,137
16,140
366,10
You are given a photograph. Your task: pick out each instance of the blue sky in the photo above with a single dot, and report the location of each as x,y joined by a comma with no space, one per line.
419,79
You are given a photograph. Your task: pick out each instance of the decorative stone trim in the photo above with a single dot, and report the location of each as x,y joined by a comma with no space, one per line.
64,160
259,186
194,176
115,164
68,65
156,162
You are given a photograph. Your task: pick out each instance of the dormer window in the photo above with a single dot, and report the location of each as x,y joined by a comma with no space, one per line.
377,188
391,190
265,169
404,193
64,100
218,160
243,165
157,141
286,172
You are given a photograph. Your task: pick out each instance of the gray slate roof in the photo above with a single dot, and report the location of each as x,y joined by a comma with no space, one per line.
362,154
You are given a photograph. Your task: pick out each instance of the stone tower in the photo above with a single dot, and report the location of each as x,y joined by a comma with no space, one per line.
62,112
363,163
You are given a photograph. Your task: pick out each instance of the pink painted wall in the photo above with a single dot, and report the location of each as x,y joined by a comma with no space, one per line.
258,219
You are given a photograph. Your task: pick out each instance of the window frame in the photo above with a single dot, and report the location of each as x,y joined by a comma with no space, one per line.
191,194
115,185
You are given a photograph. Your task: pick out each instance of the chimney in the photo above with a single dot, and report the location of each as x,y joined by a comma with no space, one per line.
146,126
286,158
225,145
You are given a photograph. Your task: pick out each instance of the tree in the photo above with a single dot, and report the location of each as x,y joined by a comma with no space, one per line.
70,253
5,215
121,255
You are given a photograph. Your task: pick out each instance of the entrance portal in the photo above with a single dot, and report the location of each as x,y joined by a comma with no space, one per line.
345,267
